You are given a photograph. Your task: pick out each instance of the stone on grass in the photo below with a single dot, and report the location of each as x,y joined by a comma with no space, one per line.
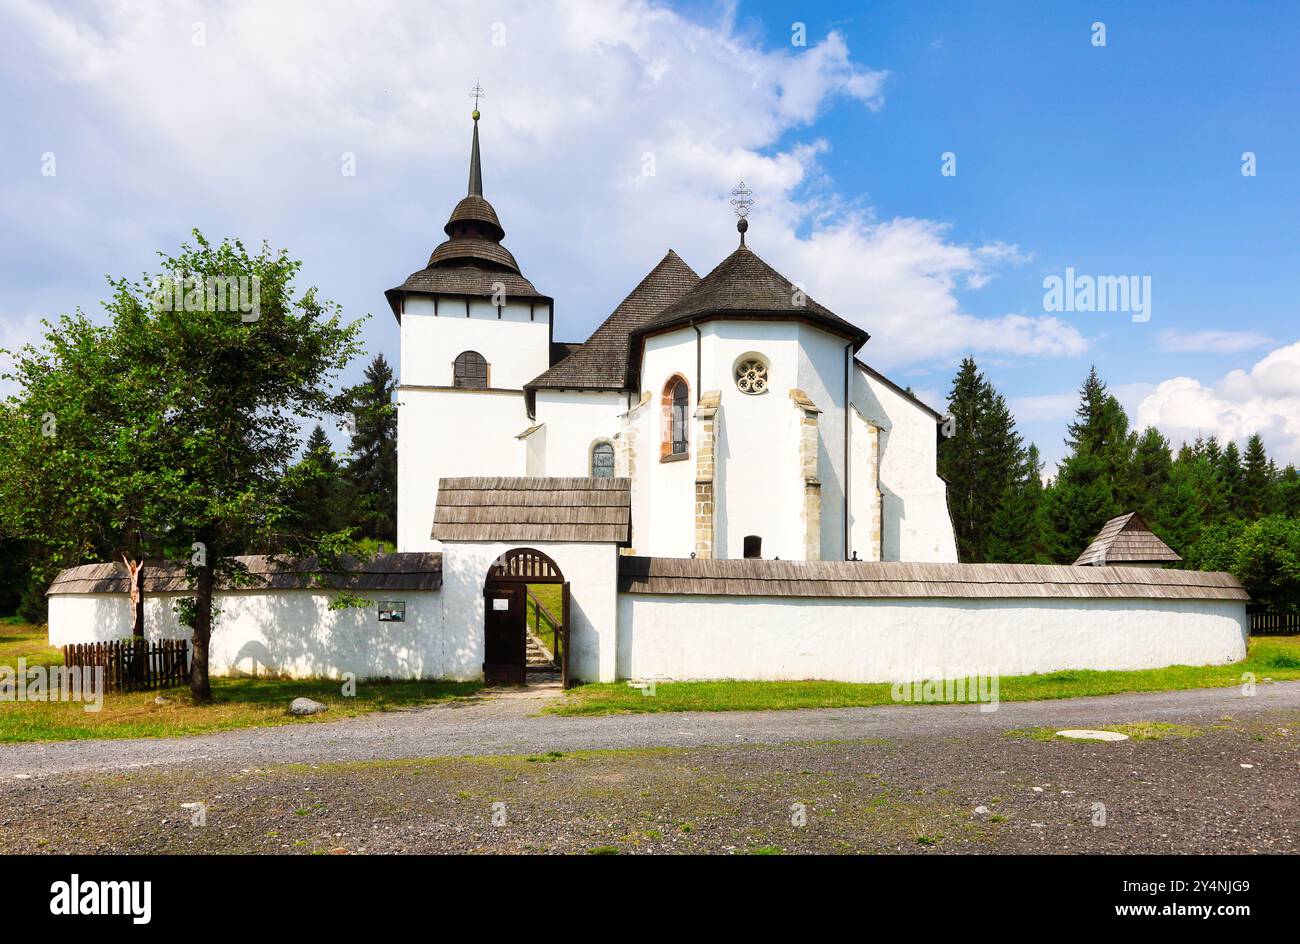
160,700
306,706
1080,734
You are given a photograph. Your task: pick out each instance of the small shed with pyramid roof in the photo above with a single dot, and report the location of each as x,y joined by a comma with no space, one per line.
1127,541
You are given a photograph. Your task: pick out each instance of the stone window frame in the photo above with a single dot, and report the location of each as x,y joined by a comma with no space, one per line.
675,419
766,374
613,458
461,376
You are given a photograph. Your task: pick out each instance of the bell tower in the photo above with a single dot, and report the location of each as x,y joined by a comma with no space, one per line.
474,331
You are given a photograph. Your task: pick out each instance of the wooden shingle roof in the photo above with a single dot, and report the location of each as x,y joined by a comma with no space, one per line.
408,571
471,261
892,580
533,509
743,285
602,363
1126,540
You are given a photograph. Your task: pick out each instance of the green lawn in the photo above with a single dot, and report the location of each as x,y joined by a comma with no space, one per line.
239,703
551,596
1268,657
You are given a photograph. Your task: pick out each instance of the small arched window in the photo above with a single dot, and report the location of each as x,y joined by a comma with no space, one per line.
753,546
676,402
602,460
471,370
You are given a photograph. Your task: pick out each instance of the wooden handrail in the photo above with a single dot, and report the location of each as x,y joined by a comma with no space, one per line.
541,608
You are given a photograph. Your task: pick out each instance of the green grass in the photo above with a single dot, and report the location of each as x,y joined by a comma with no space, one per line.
238,702
1272,657
551,596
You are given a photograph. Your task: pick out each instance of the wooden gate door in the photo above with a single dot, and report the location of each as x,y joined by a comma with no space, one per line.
504,648
566,635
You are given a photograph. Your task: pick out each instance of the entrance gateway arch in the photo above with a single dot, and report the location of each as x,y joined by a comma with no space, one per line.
505,626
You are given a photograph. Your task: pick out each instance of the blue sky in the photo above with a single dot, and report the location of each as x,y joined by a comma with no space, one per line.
1117,160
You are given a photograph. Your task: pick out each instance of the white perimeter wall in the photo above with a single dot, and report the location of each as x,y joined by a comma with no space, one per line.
710,637
289,632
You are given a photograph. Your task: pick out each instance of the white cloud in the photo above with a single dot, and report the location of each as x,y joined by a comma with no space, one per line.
1211,342
1264,400
1049,406
244,135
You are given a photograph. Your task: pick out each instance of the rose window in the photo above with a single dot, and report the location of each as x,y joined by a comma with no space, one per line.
751,376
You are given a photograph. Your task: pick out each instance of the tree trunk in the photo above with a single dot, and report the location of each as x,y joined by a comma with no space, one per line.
200,686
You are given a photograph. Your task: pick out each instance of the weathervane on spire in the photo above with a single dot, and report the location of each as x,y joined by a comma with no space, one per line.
742,200
476,93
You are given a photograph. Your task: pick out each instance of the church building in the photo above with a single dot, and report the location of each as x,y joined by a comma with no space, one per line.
714,485
735,404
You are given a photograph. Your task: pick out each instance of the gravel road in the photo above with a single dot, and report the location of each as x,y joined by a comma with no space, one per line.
511,725
1214,772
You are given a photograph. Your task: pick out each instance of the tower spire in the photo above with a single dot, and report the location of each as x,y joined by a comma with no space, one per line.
475,170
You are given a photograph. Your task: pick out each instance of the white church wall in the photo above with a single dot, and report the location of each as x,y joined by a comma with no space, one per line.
667,487
575,420
287,632
758,488
516,345
916,523
592,572
822,361
864,495
535,451
449,432
874,640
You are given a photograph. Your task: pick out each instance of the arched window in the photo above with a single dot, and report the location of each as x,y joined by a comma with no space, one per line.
471,370
753,546
602,460
676,402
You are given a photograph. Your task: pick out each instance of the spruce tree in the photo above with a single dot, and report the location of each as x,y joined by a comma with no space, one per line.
1256,481
1287,492
959,463
1177,517
1091,480
982,462
317,502
372,471
1015,529
1143,488
1231,478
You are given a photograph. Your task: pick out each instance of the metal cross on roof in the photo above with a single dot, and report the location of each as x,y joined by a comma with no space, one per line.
476,93
743,199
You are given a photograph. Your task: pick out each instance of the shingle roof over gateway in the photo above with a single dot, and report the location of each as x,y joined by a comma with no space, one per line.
602,363
1126,539
405,571
892,580
487,508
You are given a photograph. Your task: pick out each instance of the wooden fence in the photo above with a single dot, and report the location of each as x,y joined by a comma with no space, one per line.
1265,622
134,664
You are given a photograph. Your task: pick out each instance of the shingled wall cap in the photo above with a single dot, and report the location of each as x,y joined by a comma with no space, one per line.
400,571
896,580
743,285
